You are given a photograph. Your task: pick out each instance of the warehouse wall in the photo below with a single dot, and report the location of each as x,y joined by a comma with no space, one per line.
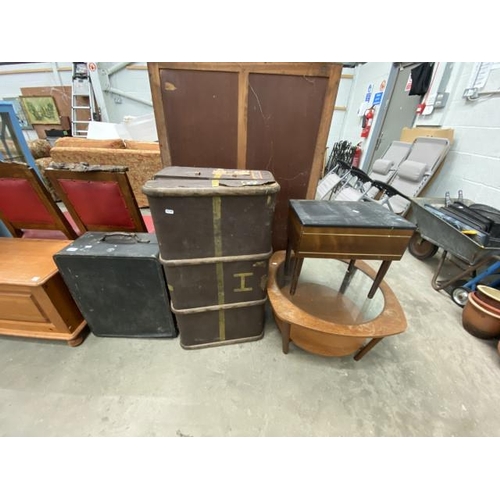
13,77
473,164
342,101
47,74
134,80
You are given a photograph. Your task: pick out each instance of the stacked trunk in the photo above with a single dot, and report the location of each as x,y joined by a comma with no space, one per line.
214,232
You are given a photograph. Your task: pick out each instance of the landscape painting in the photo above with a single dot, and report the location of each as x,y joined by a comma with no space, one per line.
41,110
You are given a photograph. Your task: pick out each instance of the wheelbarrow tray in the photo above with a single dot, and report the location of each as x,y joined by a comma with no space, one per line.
444,235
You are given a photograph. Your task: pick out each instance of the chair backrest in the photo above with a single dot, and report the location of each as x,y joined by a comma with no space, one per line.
99,198
25,202
429,150
385,167
415,172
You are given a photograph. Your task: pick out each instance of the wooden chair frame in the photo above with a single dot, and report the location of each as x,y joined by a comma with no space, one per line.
121,178
16,170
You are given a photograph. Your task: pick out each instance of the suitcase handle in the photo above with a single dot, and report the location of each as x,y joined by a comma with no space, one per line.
127,238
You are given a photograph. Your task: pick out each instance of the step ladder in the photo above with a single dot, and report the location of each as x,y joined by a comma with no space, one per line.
83,104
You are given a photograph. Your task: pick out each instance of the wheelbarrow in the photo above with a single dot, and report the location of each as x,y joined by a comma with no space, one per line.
434,233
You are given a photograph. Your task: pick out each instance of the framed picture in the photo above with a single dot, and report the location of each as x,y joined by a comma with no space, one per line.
19,111
41,110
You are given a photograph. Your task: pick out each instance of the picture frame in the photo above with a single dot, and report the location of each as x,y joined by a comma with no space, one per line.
19,111
40,110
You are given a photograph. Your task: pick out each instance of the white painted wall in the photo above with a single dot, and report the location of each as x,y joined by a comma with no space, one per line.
473,164
339,115
11,83
134,82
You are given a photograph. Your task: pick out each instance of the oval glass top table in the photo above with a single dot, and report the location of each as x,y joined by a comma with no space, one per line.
330,314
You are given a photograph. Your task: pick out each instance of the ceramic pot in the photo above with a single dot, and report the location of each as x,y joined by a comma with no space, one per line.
480,322
489,295
485,305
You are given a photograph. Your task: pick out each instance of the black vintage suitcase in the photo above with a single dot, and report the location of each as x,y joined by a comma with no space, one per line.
214,231
118,283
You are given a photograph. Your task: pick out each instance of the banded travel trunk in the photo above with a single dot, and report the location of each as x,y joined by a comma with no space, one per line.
118,283
214,228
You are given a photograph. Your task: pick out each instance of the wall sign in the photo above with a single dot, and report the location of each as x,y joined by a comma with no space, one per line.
408,84
377,98
368,95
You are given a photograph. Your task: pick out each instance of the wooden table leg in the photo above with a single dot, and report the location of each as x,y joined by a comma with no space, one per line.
285,337
351,269
287,257
296,273
367,348
384,267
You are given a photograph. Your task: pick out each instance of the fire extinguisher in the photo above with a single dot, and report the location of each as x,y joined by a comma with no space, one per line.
367,122
356,157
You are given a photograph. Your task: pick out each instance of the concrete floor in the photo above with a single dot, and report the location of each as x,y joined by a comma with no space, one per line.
433,380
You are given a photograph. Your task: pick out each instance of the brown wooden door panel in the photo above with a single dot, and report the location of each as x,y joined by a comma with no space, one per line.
283,120
202,112
284,113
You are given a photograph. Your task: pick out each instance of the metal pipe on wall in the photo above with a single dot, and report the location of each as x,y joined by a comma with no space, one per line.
129,96
117,67
57,76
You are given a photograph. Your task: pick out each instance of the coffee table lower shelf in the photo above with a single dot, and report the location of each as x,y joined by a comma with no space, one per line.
307,327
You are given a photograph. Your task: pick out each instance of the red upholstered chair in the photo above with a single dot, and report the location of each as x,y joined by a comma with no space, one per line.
99,198
26,204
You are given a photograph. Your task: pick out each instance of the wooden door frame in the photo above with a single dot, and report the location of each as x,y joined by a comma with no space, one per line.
332,71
